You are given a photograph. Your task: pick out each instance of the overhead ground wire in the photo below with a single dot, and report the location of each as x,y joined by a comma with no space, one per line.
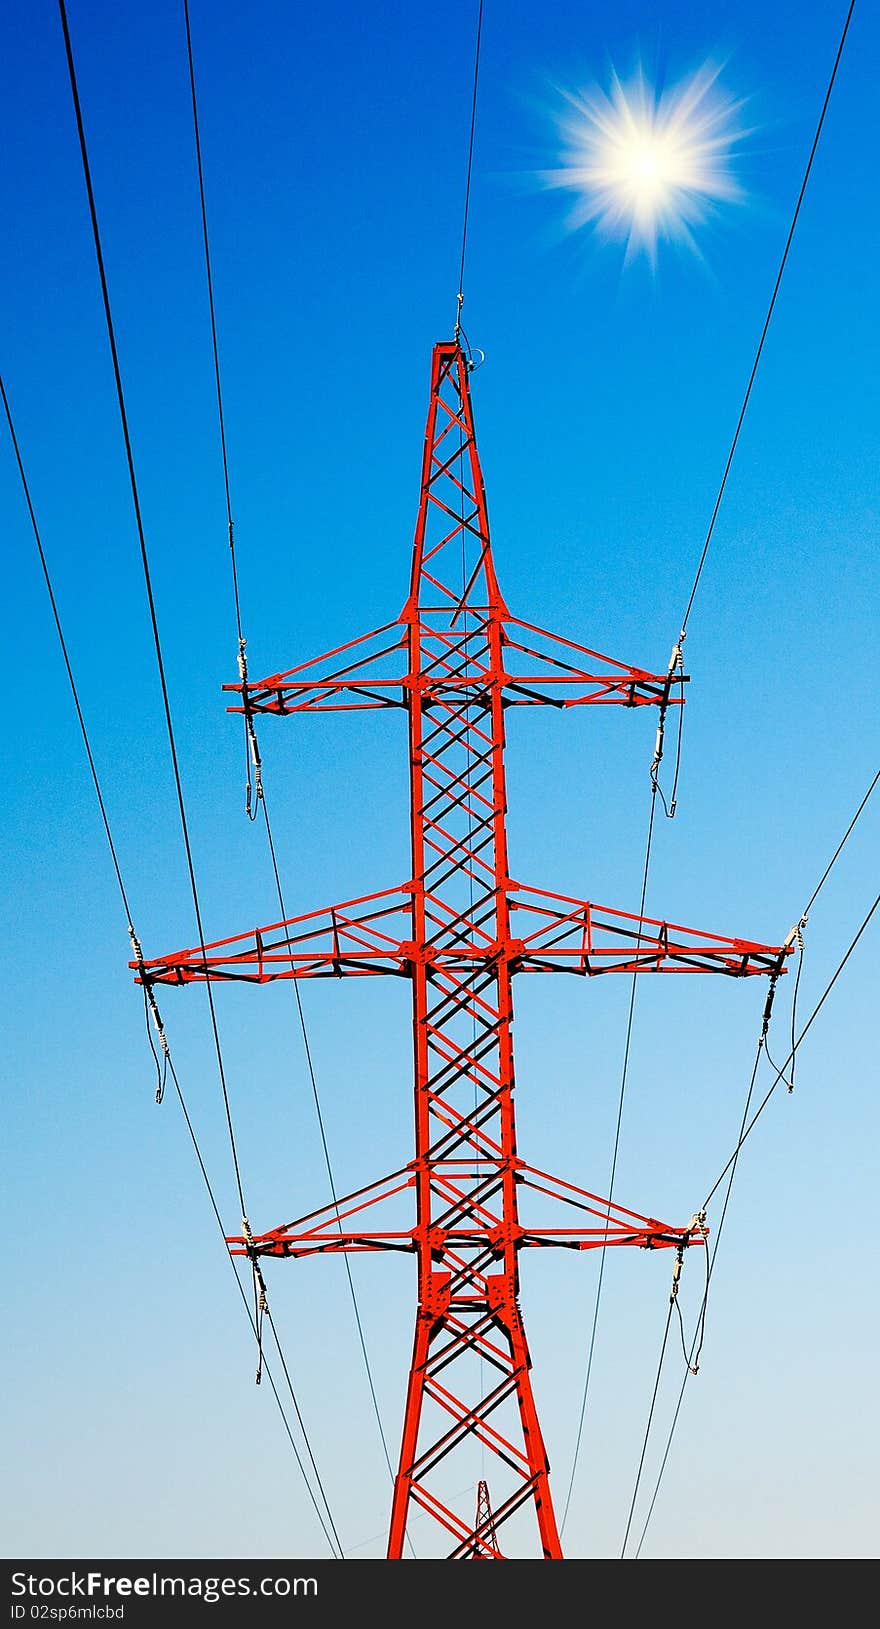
470,166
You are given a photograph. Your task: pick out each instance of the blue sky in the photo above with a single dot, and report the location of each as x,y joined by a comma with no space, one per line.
334,142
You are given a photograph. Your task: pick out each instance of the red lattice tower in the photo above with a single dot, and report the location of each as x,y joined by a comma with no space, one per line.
460,928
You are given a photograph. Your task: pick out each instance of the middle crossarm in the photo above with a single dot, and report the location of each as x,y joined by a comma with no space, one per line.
338,1228
549,933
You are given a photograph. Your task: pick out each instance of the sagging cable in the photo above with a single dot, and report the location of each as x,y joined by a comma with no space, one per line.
261,1300
696,1225
253,790
151,1011
794,937
676,668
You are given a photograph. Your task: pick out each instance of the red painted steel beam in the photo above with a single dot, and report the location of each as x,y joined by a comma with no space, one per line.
328,684
556,934
329,1229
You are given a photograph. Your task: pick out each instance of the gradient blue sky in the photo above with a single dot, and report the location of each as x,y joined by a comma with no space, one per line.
334,142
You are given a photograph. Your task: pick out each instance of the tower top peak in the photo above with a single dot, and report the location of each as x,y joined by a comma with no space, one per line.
452,568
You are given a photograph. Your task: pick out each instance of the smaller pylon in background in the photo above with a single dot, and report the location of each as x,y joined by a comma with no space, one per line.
485,1544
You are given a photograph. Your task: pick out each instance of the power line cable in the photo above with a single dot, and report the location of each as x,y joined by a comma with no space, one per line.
617,1130
210,282
251,750
691,1356
334,1541
670,810
111,335
647,1428
746,1127
250,732
327,1161
459,299
65,654
677,664
166,701
780,1074
731,1167
126,907
767,320
839,849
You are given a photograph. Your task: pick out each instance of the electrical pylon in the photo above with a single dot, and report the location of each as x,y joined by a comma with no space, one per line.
459,929
484,1546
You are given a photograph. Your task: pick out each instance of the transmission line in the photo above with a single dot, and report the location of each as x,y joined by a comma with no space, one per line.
334,1541
676,659
731,1167
746,1128
617,1130
459,299
111,335
770,309
675,666
65,654
251,747
690,1360
327,1160
210,282
170,1062
166,701
647,1428
780,1073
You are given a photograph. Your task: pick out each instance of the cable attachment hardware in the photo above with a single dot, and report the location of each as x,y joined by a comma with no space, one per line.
768,1009
261,1299
675,668
795,937
459,302
676,1271
151,1010
697,1224
253,790
658,747
257,761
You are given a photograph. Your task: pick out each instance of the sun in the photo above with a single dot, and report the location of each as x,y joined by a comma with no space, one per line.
649,165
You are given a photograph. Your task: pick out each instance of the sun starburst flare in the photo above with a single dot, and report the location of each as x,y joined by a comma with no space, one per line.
649,166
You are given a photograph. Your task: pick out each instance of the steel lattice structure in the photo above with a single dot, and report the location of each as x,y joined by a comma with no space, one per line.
459,929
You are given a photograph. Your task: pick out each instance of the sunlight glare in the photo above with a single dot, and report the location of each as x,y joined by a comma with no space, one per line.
648,165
